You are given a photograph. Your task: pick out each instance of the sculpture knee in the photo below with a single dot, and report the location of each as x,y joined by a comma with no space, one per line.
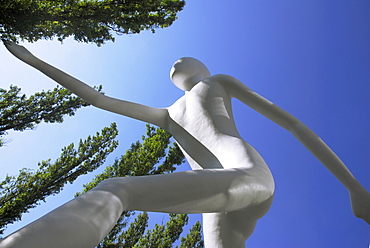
265,193
251,188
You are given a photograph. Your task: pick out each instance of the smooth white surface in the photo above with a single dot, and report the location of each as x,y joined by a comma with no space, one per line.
229,180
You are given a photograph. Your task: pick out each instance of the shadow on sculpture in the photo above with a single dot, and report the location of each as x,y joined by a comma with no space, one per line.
230,183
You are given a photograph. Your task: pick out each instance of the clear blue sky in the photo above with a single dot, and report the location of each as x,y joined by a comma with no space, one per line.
310,57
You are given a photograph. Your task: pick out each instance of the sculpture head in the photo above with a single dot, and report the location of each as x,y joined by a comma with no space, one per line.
187,72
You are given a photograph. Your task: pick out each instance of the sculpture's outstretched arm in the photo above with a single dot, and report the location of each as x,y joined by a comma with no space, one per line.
137,111
360,197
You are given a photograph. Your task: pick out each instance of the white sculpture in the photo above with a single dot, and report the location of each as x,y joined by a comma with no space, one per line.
230,182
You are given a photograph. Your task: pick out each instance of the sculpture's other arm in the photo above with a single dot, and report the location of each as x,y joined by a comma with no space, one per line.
155,116
360,197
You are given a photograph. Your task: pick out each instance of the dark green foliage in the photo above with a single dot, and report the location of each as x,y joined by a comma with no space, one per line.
144,158
194,238
132,235
86,20
163,236
17,112
18,194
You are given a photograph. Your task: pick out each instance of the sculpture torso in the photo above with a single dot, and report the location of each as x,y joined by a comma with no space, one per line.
205,113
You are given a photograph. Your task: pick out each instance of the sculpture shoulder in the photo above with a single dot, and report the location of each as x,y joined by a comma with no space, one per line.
229,84
224,79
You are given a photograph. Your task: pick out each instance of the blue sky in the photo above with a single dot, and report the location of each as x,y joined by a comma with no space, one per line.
312,58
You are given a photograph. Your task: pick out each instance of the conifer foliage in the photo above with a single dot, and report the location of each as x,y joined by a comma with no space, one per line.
90,21
19,112
20,193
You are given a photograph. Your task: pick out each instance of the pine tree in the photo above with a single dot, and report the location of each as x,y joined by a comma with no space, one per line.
19,112
89,21
20,193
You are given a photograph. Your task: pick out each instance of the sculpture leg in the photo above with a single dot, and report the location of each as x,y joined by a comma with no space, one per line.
232,229
85,220
197,191
82,222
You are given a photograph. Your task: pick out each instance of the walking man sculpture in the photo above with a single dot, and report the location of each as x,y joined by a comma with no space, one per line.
230,182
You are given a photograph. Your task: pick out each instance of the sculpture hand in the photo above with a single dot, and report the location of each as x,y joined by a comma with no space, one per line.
20,52
360,201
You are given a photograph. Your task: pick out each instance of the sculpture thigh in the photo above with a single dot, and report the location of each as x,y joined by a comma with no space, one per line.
197,191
